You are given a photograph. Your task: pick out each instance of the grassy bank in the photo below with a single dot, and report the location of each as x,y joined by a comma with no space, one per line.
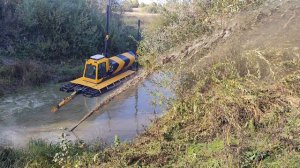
21,74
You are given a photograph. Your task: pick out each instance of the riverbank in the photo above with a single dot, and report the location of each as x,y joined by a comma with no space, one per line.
238,100
18,75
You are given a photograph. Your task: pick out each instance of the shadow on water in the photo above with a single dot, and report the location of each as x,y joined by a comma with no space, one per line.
27,115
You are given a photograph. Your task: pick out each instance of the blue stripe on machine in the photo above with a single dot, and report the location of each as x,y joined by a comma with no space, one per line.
124,58
132,53
114,65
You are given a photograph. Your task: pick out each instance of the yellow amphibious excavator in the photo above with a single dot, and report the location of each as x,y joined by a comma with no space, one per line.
101,73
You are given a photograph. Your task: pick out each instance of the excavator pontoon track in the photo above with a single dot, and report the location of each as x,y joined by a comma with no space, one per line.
86,91
79,86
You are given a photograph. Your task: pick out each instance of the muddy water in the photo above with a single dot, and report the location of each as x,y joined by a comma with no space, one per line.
25,116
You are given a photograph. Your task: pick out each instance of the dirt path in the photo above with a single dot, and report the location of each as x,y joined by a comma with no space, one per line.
137,13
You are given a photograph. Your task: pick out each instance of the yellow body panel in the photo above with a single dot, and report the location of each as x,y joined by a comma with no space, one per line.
113,80
131,58
82,81
120,62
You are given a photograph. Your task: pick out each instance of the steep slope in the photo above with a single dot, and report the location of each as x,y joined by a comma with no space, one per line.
238,98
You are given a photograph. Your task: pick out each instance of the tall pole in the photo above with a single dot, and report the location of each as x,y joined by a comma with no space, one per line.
138,41
107,30
139,31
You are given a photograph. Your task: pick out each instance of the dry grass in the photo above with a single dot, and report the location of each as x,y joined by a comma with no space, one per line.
237,107
148,20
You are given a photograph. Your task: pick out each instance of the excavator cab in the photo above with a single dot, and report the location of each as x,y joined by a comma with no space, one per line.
96,69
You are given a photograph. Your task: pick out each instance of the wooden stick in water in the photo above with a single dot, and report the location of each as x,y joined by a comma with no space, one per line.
64,102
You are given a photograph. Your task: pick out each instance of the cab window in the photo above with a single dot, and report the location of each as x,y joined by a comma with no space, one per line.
90,71
101,70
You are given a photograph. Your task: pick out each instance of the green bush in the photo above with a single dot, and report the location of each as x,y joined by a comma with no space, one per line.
60,30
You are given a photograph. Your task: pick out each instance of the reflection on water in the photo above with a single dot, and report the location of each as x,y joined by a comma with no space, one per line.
27,115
